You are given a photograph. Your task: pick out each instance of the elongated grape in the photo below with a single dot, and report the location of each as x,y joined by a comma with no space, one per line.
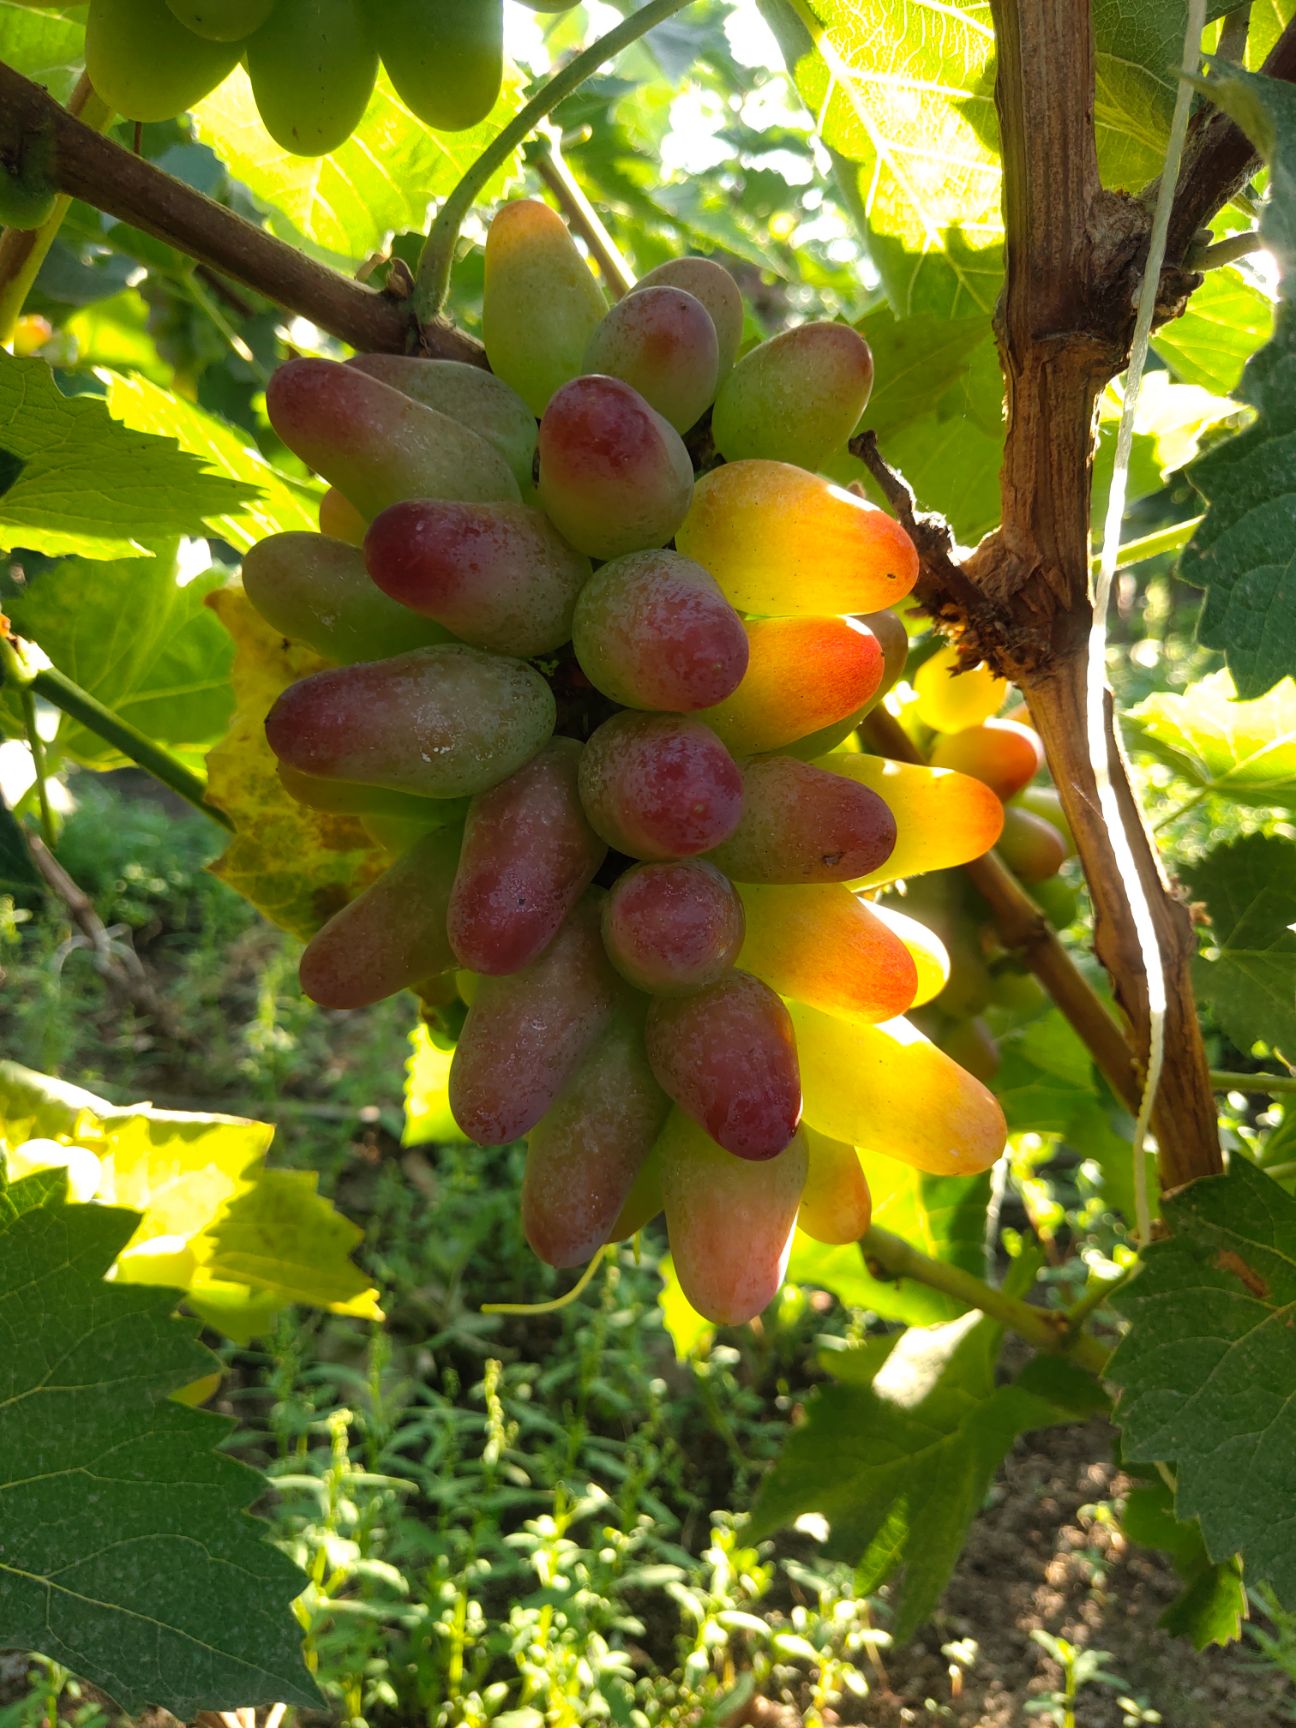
803,674
730,1222
540,303
663,341
526,1034
614,476
652,630
727,1055
929,954
671,928
712,284
972,1045
950,700
1031,847
799,826
377,445
222,20
1044,801
313,64
346,798
643,1202
1003,754
468,394
796,398
498,575
144,62
659,786
888,1089
528,856
339,518
836,1206
445,721
585,1153
825,947
785,543
893,640
941,818
445,57
392,935
318,591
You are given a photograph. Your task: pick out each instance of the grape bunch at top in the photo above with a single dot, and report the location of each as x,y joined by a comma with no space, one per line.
599,712
312,63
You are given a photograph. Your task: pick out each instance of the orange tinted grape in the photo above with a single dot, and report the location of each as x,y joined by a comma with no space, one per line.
836,1206
1003,754
785,543
942,818
888,1089
926,950
728,1057
540,304
800,824
730,1222
802,674
827,948
949,700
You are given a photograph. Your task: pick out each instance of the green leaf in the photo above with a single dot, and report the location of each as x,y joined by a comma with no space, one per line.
44,46
1249,973
900,1467
283,1237
297,866
176,1600
690,1332
347,204
1227,320
1209,1362
1244,553
904,96
427,1097
944,1216
1245,750
143,642
1213,1603
87,485
277,502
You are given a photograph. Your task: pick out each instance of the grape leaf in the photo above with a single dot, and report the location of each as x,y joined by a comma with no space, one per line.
1249,973
346,205
126,1551
283,1237
1245,750
1227,320
900,1467
297,866
88,486
1208,1365
138,638
276,503
1212,1605
427,1096
690,1332
43,46
942,1215
1244,553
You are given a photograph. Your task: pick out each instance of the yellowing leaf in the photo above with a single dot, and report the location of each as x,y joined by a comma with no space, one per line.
1246,750
427,1101
282,1236
297,866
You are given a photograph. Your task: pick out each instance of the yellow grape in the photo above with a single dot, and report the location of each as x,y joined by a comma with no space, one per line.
540,304
942,818
928,953
950,703
836,1206
784,543
803,674
820,944
888,1089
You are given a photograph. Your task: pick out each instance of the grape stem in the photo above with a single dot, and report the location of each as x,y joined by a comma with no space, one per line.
1045,1329
432,283
580,215
49,683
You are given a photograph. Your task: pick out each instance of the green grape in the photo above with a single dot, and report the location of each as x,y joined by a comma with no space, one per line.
28,196
222,20
445,57
796,398
540,304
312,66
145,64
469,394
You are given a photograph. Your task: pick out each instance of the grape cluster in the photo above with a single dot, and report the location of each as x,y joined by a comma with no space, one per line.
600,710
955,720
312,63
